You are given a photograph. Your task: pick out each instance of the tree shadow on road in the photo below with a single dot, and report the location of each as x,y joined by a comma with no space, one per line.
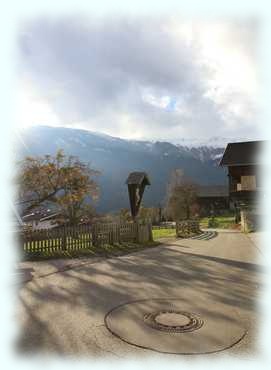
56,308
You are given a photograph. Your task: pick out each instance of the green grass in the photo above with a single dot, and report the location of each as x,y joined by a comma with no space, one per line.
104,250
223,222
163,233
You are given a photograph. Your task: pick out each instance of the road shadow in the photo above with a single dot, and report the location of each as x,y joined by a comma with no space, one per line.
50,305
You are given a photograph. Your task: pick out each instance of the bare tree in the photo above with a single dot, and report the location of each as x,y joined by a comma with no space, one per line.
125,215
181,202
151,213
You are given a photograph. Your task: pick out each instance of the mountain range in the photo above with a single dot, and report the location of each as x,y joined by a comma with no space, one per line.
115,158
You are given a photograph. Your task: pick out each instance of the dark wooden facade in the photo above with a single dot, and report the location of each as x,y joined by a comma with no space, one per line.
213,200
240,191
243,172
209,206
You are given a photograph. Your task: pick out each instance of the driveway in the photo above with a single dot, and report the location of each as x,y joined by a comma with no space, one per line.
218,279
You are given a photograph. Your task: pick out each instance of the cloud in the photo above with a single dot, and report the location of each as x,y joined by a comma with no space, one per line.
140,77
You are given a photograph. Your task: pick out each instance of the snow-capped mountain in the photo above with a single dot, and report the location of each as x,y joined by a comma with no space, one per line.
214,142
116,157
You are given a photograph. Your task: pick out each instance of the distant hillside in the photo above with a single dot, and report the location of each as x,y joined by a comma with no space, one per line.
115,158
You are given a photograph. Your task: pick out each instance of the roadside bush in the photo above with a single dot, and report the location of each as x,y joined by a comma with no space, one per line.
213,222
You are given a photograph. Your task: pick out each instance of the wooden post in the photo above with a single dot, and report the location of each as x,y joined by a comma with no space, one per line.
137,231
244,226
94,235
118,233
64,239
150,231
111,234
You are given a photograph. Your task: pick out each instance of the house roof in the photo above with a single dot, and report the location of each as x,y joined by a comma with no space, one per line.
213,191
39,216
51,216
243,153
137,178
31,217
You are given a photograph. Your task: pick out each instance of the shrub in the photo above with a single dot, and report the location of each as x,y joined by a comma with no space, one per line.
213,222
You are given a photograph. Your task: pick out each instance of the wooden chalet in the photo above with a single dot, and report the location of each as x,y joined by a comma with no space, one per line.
242,160
41,220
244,166
213,199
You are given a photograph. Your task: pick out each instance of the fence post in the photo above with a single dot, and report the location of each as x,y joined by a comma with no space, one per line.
64,239
150,231
118,233
93,236
137,231
94,230
111,235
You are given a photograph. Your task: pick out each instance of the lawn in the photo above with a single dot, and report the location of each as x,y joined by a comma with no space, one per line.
221,222
163,233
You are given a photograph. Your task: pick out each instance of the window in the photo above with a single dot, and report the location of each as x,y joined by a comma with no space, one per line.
248,182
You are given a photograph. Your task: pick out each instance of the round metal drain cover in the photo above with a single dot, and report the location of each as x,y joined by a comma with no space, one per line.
173,321
174,326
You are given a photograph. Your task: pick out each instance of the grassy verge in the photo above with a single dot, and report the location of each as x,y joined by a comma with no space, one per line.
222,222
104,251
163,233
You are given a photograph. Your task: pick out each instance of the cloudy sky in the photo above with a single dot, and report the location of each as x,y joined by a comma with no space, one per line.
140,78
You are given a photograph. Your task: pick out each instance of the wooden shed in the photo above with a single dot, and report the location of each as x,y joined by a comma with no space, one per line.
213,199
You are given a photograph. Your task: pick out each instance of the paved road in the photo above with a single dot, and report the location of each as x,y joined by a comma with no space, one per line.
64,312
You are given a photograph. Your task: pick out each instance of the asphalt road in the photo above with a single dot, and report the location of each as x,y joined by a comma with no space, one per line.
63,312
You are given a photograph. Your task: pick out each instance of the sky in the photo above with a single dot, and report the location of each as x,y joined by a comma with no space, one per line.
162,78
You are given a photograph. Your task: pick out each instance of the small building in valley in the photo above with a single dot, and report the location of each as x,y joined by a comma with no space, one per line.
213,199
41,220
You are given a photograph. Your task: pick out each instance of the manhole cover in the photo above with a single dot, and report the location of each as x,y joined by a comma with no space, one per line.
173,321
175,326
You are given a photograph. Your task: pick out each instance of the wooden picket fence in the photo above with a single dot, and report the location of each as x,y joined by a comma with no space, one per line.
164,225
70,238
